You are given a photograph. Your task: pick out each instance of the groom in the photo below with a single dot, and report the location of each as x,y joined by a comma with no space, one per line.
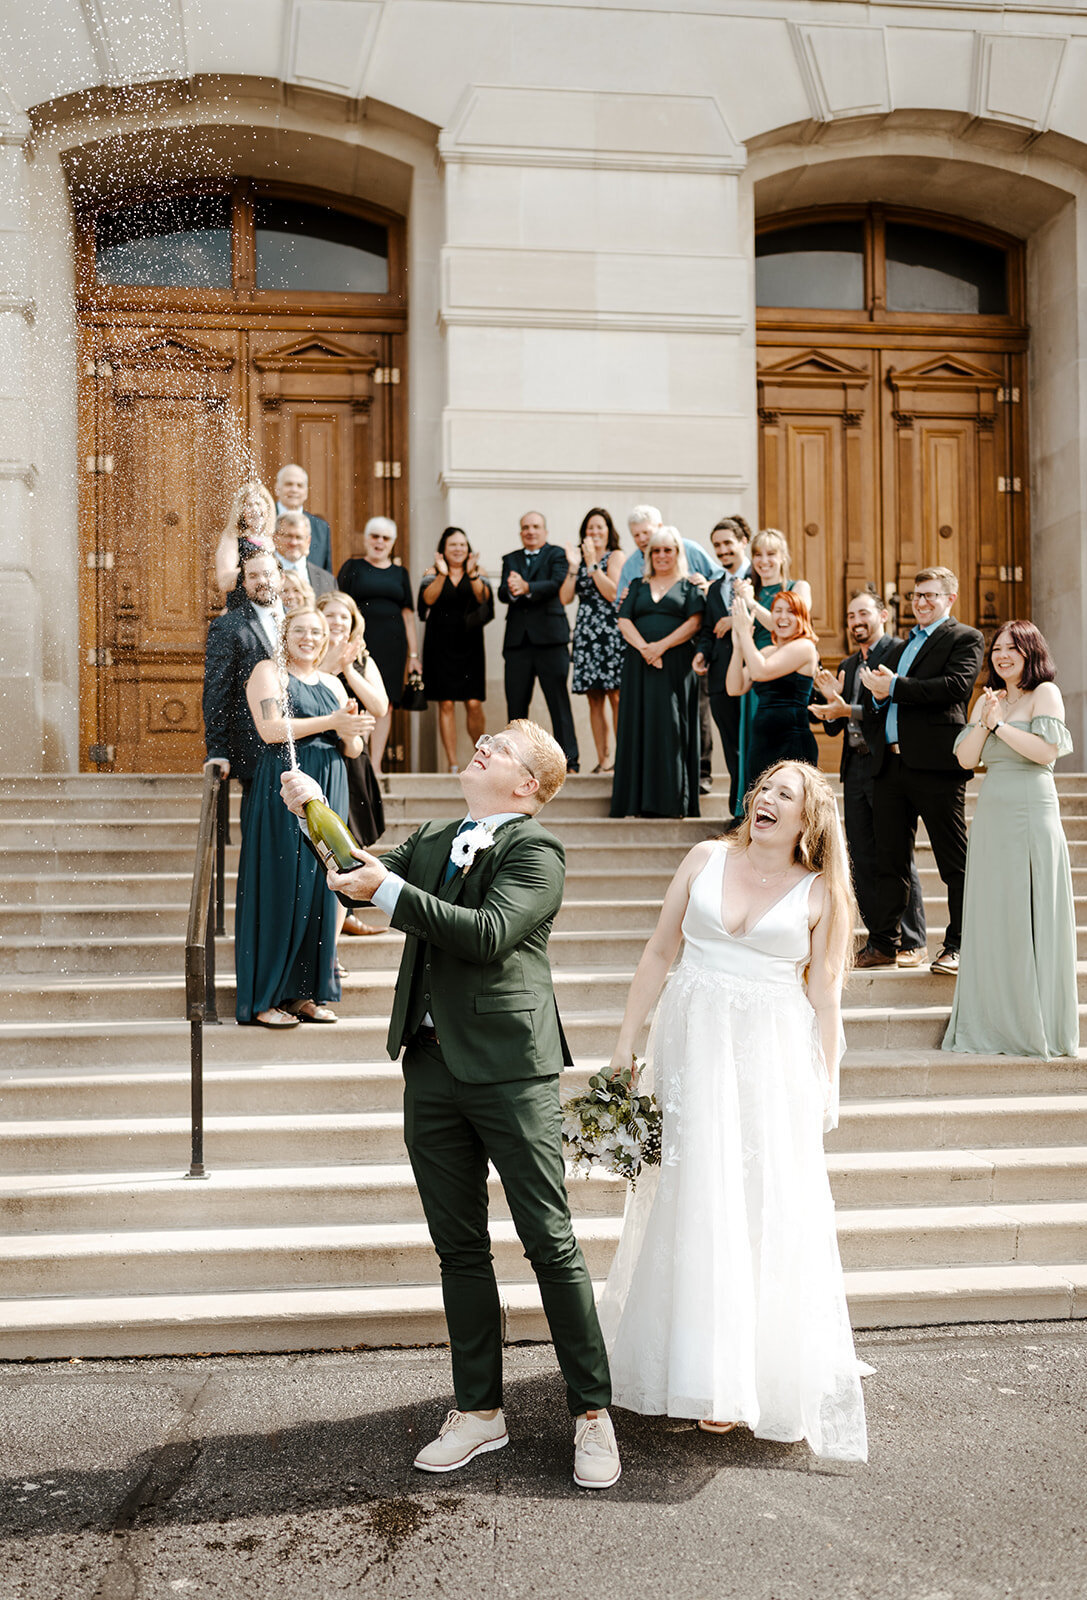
475,1014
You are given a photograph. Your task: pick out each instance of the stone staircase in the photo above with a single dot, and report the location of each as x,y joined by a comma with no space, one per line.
961,1182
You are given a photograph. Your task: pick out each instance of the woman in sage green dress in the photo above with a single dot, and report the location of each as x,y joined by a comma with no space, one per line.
1016,992
657,745
285,923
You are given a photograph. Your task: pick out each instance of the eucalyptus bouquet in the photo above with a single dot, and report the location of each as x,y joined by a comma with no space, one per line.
612,1126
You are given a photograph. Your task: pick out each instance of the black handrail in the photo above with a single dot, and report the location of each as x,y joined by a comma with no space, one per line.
206,919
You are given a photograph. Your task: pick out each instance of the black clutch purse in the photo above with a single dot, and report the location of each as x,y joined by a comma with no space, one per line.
413,698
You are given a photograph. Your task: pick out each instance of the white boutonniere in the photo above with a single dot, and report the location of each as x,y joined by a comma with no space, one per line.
469,844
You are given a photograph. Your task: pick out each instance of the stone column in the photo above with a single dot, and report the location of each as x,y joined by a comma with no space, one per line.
21,715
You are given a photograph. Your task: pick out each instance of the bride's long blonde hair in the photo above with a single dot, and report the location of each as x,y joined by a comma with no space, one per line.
820,848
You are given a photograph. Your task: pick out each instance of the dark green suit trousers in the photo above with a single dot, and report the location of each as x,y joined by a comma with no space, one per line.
452,1129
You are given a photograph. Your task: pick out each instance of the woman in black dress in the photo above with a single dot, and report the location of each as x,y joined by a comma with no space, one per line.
456,603
658,748
782,675
382,591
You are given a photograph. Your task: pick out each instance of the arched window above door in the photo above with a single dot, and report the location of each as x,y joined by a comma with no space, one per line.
240,242
884,264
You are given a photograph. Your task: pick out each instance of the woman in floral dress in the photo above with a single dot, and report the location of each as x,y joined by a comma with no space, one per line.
593,575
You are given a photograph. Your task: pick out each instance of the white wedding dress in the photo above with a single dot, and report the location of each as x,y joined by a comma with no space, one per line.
726,1300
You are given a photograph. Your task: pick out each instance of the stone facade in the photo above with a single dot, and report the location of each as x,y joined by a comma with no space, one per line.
581,186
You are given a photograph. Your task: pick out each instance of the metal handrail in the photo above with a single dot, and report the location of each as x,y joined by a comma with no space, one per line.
206,920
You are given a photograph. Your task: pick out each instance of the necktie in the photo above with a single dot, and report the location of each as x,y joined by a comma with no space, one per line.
451,865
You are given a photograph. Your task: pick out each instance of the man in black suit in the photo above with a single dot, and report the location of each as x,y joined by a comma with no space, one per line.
537,642
292,487
916,704
866,618
237,640
713,644
292,542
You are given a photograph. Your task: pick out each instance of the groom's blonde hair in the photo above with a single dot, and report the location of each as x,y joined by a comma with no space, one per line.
543,755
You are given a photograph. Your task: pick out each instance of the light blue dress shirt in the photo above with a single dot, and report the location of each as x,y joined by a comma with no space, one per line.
903,665
697,561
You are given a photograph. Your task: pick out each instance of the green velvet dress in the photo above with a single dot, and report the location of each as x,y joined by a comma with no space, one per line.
657,747
285,923
1016,991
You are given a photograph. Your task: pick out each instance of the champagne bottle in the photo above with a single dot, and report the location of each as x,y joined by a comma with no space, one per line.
332,838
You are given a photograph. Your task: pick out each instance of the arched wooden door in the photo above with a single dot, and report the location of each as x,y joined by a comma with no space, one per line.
221,332
891,381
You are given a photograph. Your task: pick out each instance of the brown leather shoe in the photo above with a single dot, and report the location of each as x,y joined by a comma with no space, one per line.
353,924
871,957
913,958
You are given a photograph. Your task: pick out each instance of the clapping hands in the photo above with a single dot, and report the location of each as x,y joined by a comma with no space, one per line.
877,680
993,707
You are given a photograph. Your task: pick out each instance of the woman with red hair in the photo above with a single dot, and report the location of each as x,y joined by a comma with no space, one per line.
782,675
1016,990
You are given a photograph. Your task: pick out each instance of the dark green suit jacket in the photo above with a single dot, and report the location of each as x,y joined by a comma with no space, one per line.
483,937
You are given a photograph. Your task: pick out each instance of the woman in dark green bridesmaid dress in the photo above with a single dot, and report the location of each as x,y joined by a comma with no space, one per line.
1016,992
285,922
657,748
770,560
779,678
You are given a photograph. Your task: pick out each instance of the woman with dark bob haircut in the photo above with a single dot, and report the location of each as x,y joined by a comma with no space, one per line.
456,603
1016,992
592,573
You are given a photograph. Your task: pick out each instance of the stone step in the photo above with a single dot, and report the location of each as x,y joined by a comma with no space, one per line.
107,1043
377,1255
584,881
120,1200
70,1037
120,1139
301,1319
377,1086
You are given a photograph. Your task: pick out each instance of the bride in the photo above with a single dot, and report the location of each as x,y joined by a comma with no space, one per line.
725,1301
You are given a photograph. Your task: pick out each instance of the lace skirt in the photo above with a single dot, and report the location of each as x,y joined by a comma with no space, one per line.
726,1298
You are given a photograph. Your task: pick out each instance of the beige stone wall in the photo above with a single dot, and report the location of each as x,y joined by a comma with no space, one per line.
581,185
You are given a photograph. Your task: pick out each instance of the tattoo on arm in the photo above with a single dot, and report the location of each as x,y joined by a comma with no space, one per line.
269,709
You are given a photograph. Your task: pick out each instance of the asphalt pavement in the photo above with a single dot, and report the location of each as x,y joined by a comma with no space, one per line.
291,1476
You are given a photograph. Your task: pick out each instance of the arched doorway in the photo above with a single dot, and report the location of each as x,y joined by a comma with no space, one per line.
892,386
220,326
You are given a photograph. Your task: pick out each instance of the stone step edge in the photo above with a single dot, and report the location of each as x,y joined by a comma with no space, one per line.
383,1235
315,1121
22,1188
50,1080
327,1318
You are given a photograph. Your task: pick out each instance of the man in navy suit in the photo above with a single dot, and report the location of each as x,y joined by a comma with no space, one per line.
292,487
237,640
917,703
866,619
537,642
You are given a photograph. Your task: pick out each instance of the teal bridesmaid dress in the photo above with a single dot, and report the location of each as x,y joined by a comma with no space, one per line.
1016,992
285,923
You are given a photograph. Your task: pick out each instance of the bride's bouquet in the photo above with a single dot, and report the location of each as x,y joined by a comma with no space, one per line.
613,1127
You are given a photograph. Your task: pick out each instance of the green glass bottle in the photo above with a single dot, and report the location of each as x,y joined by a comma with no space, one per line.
332,838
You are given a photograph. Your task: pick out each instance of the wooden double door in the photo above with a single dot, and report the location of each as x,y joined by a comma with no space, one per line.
173,417
878,461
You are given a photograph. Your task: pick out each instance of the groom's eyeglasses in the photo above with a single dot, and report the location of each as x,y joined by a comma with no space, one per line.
490,742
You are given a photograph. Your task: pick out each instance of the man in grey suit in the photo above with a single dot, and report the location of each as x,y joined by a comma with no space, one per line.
292,542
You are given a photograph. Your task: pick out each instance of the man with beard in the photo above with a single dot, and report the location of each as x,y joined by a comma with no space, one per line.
247,632
866,620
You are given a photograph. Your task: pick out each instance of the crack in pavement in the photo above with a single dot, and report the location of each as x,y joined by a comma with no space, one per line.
171,1464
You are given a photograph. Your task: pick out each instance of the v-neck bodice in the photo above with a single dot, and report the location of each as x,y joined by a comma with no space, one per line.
775,949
